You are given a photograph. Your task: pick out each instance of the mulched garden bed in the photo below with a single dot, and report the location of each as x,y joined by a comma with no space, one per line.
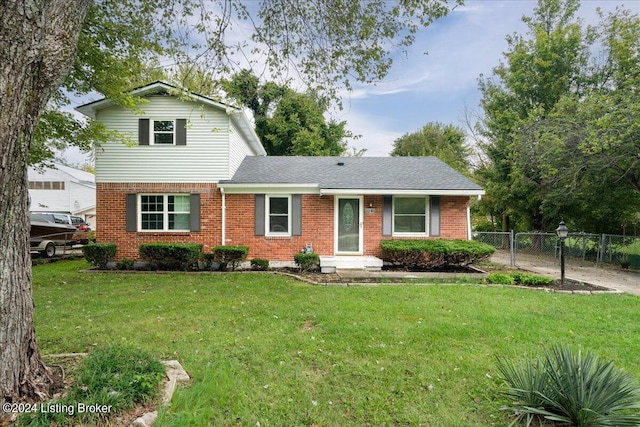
406,276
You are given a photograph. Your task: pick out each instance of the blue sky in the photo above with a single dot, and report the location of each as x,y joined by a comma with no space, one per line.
440,86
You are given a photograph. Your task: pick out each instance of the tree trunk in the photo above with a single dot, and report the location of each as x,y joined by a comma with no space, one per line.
37,48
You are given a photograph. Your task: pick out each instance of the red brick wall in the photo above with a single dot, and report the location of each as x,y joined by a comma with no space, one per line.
111,217
318,226
453,222
317,222
453,217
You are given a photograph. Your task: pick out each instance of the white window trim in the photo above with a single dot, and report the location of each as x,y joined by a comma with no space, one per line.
267,214
152,132
426,217
165,213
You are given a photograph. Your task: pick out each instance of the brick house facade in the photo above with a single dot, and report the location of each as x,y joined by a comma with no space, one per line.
199,174
318,228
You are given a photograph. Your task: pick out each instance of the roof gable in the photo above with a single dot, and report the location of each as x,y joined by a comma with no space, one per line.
237,115
75,175
156,88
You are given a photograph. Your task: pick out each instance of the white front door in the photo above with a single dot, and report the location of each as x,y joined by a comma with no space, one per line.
348,225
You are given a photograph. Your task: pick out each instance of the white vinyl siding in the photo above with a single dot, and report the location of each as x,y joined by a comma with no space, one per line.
238,149
205,157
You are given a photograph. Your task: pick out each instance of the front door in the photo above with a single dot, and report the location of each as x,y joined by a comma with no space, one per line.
349,225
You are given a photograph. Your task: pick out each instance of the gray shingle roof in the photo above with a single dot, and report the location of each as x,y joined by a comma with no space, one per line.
367,173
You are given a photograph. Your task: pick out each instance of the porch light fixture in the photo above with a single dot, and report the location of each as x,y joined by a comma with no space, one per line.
562,232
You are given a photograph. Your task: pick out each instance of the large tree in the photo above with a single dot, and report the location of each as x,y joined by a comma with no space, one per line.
447,142
539,69
561,124
37,50
327,43
287,122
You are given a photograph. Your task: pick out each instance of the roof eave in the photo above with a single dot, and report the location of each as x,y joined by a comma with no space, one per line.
245,126
90,109
308,188
410,192
260,188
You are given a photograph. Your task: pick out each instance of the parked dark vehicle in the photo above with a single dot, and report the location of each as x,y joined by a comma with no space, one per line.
65,218
45,235
82,236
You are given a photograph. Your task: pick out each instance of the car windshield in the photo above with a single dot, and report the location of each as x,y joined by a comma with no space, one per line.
36,217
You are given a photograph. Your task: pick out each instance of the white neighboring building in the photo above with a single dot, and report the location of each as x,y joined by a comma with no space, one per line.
63,189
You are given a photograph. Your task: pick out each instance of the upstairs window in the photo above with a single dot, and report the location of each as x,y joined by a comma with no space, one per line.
163,132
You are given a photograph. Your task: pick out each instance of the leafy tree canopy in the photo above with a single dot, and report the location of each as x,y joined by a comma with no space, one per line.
327,45
447,142
560,122
287,122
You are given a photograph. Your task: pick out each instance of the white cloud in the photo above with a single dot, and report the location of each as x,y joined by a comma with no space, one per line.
376,136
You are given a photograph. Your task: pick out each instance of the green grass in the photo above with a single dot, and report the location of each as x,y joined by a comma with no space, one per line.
109,380
265,349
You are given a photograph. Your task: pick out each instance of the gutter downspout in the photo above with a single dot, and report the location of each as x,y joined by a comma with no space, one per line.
469,233
224,217
469,236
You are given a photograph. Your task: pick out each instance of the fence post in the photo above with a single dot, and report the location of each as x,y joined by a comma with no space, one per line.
512,249
600,258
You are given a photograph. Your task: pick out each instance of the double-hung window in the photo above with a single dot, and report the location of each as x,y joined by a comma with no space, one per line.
164,212
163,132
410,215
278,218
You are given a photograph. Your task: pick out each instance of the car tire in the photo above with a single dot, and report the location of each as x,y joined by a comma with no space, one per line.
49,251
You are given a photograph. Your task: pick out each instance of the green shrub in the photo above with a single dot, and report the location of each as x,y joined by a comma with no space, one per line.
125,264
500,279
229,256
528,279
631,254
522,279
570,388
259,264
99,254
171,256
307,262
117,377
434,254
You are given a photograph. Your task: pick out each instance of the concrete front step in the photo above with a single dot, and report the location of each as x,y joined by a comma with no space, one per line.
329,264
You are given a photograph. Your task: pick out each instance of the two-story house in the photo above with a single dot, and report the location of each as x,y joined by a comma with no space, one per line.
197,172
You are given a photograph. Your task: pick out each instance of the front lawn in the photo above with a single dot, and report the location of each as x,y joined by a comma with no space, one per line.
266,350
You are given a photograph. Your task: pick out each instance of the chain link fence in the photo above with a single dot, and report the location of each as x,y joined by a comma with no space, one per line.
545,247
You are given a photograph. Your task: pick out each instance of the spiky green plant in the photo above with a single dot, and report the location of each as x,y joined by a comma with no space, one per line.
571,389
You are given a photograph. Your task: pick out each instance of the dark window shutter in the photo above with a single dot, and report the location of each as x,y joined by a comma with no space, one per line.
143,132
296,215
194,212
434,215
181,131
132,212
387,215
259,214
